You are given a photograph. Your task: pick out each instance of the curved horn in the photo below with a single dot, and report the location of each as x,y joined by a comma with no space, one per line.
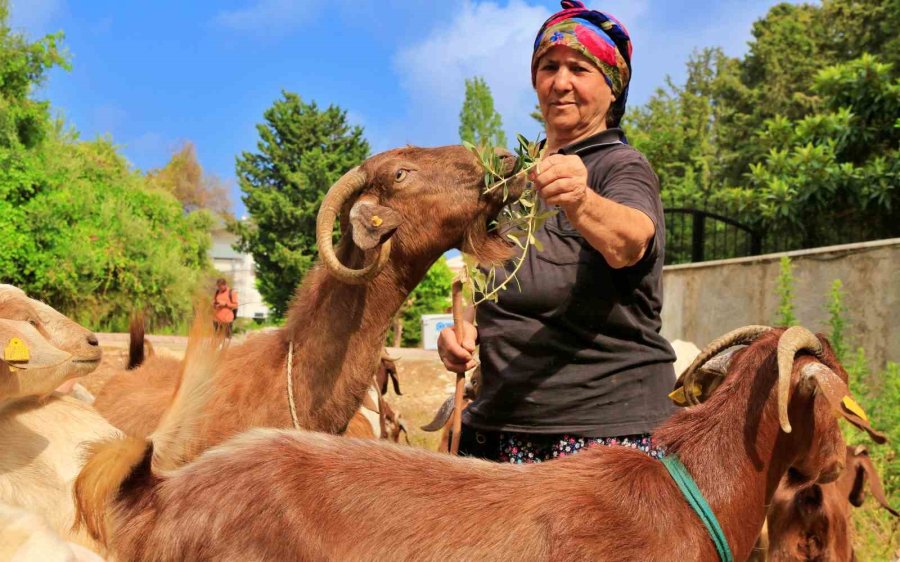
740,336
441,416
794,339
384,355
349,184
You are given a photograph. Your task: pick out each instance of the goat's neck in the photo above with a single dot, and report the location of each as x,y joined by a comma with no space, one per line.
338,331
737,466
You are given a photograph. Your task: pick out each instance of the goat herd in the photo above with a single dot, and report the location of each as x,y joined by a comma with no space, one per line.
233,453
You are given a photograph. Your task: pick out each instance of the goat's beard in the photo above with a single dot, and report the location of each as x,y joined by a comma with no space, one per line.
488,248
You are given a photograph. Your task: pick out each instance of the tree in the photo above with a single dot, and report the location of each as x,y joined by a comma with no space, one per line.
431,296
851,28
479,123
838,166
106,245
677,128
184,178
78,227
795,137
302,151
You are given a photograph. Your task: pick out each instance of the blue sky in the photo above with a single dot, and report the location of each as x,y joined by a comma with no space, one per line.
154,74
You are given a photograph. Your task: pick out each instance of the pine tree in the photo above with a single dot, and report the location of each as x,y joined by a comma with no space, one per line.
302,151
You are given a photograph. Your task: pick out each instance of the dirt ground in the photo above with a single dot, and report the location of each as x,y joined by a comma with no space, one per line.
423,381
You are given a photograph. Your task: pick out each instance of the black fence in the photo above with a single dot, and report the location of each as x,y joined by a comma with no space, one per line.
694,235
697,230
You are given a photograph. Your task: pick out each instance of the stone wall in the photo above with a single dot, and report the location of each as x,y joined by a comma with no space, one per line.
705,300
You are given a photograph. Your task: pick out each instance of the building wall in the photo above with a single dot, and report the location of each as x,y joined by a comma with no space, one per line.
704,300
240,270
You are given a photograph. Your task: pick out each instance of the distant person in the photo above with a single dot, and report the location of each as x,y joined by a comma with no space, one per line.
225,303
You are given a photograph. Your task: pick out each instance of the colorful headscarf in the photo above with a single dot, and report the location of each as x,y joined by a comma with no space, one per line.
596,35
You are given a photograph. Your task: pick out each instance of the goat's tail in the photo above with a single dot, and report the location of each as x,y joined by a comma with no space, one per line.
136,330
175,438
110,463
130,467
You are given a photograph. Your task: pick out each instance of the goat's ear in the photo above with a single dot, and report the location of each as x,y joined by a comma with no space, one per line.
865,470
373,224
858,492
396,382
25,348
707,378
838,396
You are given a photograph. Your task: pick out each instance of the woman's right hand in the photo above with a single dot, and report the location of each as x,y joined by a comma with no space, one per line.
457,356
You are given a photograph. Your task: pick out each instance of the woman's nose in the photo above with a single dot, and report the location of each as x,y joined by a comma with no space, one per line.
562,81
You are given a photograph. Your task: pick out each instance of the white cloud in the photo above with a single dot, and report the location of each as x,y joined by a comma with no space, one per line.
268,17
484,40
34,16
487,40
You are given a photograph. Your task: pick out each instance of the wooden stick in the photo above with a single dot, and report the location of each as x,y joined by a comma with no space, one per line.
456,293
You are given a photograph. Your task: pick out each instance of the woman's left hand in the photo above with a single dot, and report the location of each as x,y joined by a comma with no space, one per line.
561,179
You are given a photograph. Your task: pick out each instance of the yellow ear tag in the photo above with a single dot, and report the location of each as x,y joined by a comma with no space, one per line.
376,220
16,351
678,396
851,405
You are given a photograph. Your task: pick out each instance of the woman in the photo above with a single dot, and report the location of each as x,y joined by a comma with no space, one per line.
575,358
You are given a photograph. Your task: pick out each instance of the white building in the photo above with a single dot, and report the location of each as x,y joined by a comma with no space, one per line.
240,271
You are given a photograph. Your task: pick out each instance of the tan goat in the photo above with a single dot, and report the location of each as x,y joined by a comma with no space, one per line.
282,495
403,208
41,433
25,537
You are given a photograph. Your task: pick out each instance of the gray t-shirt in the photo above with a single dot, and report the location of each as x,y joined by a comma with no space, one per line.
577,349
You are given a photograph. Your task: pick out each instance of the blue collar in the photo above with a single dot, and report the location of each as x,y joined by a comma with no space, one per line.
695,499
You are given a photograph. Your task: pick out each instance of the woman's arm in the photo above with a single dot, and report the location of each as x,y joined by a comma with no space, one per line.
620,233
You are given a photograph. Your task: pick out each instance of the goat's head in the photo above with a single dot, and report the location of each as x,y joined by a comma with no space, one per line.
421,201
814,518
30,366
394,424
57,329
811,386
387,370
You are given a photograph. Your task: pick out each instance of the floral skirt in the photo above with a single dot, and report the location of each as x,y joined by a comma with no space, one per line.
519,448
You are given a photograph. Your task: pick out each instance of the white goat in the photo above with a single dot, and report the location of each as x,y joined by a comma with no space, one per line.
41,432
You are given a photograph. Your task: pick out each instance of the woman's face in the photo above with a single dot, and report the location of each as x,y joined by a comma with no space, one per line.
573,94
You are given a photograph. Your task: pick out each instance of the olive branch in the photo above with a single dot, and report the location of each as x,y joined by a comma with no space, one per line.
517,221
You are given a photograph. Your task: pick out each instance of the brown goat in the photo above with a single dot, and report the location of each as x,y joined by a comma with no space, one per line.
411,205
283,495
376,417
812,521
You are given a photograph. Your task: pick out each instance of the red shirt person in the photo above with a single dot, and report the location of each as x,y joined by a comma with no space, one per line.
225,303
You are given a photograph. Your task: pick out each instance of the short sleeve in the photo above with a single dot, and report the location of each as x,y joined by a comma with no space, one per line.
630,181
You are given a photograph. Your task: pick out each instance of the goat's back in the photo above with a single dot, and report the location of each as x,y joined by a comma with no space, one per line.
283,495
42,444
134,401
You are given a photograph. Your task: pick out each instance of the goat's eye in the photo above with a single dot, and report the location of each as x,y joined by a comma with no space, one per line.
400,175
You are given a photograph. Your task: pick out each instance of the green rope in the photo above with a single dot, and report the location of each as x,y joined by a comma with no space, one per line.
695,499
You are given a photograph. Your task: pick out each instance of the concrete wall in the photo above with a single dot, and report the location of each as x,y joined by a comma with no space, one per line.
704,300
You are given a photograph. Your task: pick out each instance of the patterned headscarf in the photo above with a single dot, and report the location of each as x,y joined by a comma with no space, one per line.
596,35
